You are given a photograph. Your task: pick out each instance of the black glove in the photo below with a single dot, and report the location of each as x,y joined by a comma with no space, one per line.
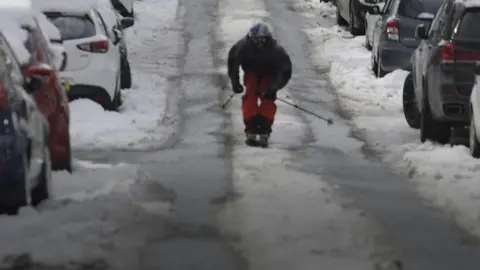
237,88
271,93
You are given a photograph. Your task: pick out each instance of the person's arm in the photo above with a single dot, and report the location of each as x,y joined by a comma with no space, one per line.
234,61
284,70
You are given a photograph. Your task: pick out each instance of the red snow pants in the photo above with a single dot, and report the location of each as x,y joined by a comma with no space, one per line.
258,118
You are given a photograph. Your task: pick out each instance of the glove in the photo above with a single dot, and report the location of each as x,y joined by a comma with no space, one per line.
270,94
237,88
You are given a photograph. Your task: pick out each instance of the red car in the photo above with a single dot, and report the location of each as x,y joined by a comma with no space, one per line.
51,99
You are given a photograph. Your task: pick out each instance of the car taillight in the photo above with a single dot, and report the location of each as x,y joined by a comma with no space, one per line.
448,53
392,29
96,46
3,97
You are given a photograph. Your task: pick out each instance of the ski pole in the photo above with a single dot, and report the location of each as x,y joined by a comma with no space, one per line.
227,101
328,120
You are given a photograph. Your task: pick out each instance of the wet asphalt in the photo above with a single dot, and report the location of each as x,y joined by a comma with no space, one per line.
196,162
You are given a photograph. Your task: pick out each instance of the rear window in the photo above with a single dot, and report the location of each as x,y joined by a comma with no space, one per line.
468,28
418,8
73,27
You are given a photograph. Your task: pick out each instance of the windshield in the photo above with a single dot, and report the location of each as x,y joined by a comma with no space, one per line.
73,27
419,8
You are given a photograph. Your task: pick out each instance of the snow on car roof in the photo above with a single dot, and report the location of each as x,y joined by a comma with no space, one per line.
23,12
469,3
15,36
69,6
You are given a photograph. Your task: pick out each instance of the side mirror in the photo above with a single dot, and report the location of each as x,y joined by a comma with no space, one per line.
127,22
42,70
118,35
374,10
420,32
34,84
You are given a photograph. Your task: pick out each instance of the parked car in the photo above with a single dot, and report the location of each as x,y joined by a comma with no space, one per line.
443,72
124,7
370,21
25,171
92,34
393,40
352,13
51,98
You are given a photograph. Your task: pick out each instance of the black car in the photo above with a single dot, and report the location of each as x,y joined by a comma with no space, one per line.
352,13
437,92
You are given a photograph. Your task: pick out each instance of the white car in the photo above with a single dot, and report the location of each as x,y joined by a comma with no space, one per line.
92,35
370,20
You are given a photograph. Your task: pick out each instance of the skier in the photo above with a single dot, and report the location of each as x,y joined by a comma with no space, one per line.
267,68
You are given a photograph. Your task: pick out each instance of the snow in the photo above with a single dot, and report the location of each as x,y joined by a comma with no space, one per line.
445,175
286,218
144,119
135,126
72,6
15,36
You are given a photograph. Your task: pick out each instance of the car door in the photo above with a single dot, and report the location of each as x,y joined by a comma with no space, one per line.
430,51
380,24
26,109
371,20
419,65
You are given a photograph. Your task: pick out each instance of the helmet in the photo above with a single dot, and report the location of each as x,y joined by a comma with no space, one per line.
260,34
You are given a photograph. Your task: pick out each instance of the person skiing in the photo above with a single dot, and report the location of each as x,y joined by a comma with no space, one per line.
267,68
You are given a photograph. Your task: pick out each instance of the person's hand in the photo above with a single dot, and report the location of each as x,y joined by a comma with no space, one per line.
237,88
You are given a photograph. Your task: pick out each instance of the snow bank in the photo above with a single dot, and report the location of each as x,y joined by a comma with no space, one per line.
147,117
286,219
444,174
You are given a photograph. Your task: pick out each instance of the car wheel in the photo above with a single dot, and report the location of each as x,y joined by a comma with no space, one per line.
42,191
351,24
340,20
410,109
431,129
126,75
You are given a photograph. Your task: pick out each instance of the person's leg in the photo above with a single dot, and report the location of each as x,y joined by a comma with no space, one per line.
267,108
250,102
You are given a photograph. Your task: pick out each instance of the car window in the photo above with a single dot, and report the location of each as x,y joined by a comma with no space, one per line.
468,26
417,8
73,27
16,71
10,72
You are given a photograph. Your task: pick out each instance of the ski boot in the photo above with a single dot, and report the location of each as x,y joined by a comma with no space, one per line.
263,140
250,139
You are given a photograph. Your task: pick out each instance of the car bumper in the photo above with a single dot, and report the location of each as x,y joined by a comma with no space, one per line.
394,55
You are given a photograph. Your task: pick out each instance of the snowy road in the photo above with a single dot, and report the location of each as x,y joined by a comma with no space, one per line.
188,194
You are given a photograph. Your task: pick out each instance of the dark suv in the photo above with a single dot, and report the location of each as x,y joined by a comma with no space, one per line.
437,92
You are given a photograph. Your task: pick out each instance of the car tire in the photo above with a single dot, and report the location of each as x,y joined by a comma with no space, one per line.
42,191
126,75
410,109
473,141
429,128
379,71
351,24
340,20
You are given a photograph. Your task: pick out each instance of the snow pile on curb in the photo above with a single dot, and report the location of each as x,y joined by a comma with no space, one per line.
145,118
286,219
444,174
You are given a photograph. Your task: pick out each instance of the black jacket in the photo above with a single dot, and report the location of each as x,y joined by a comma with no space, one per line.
271,60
